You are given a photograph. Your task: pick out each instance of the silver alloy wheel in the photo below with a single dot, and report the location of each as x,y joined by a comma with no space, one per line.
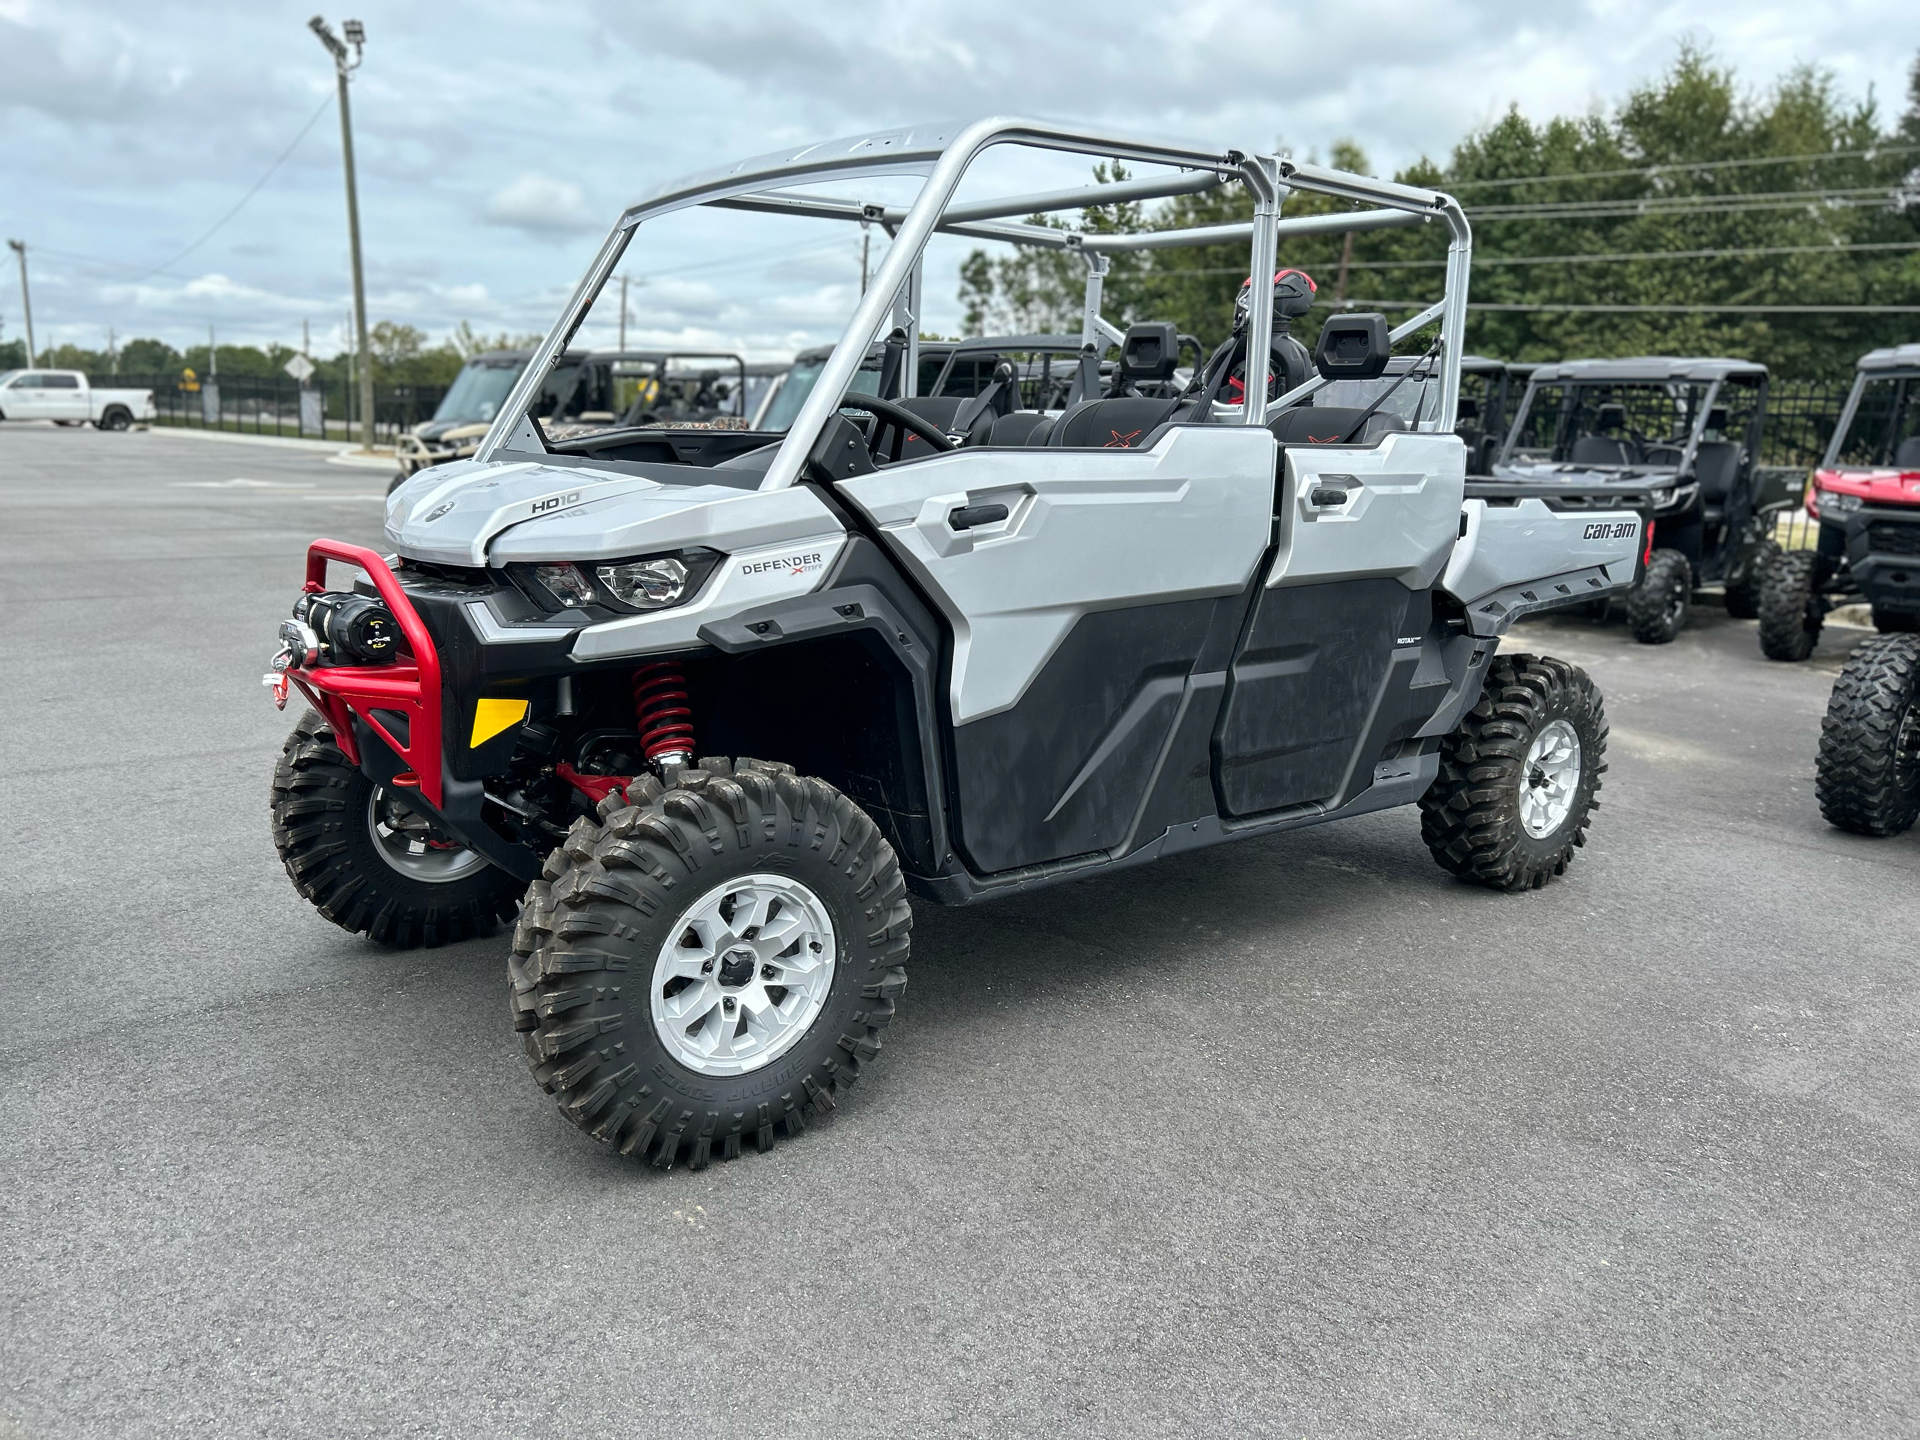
409,844
744,975
1548,779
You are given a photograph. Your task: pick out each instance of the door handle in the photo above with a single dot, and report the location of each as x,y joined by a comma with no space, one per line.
965,517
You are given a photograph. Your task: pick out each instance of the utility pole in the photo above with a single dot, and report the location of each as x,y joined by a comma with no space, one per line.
306,341
343,67
19,247
113,354
623,312
213,355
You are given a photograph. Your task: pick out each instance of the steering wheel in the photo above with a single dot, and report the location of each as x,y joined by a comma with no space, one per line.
900,420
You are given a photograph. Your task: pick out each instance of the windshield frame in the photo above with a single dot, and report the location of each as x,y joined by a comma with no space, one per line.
1843,427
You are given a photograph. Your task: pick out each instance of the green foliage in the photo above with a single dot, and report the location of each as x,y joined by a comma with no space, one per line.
13,354
1683,235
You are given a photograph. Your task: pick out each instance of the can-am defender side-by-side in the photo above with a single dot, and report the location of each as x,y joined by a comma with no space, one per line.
964,668
1688,430
1865,502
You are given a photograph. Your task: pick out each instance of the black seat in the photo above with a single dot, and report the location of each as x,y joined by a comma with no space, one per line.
1603,450
1119,424
1907,456
941,410
1017,428
1716,465
1331,425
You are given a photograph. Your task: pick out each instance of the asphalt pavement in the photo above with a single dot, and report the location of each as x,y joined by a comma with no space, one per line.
1298,1137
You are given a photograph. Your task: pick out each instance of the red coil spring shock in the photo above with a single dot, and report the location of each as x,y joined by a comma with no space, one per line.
663,712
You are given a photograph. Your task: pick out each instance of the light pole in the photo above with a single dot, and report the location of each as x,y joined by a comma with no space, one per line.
343,67
19,247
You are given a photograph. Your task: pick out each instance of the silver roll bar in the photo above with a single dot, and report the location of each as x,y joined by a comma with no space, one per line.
941,156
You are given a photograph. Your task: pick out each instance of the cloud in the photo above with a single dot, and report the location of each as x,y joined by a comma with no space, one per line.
541,206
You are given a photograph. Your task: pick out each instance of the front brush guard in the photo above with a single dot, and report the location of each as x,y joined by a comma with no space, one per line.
344,693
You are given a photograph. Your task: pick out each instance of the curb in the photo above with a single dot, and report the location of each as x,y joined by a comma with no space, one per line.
332,449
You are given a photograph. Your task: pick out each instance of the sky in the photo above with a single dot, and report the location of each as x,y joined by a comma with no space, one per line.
498,141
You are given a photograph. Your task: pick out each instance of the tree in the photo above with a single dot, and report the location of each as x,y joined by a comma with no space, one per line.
1689,193
149,357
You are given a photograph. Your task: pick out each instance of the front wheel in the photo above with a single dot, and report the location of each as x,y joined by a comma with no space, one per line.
1790,613
710,964
1657,606
370,863
1519,776
1867,778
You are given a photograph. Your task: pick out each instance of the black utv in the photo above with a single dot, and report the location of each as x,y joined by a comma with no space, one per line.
1688,431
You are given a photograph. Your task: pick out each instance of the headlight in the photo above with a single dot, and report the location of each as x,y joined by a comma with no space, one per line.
644,583
565,583
1833,504
647,584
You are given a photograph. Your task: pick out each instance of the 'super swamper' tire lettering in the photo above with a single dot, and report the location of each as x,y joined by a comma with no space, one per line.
615,892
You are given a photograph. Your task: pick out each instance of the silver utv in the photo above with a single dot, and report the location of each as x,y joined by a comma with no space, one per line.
970,650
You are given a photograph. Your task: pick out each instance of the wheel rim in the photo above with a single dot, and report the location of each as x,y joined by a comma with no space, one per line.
1548,779
411,845
744,974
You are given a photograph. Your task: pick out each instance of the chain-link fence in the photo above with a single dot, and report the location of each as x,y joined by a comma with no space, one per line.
268,405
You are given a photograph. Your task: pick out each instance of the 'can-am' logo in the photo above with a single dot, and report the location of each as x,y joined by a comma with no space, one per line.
1612,530
555,502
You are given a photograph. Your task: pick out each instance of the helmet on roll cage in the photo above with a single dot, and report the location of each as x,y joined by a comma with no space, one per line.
1293,294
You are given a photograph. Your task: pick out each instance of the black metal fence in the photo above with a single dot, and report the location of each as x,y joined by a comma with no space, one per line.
1801,415
268,405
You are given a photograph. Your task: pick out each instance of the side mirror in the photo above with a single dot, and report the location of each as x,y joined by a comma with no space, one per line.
1353,347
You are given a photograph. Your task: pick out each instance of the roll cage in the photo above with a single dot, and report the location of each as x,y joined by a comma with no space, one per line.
942,156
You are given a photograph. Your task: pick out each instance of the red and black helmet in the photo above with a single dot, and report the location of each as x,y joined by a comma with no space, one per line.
1293,292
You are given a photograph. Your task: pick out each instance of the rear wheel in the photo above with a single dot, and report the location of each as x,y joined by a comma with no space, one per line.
711,964
367,860
117,417
1743,592
1657,606
1519,776
1790,613
1867,778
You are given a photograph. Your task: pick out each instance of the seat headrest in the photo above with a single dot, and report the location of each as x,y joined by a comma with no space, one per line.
1907,455
1150,351
1610,417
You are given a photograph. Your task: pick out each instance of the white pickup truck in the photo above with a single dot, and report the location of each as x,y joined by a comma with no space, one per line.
66,397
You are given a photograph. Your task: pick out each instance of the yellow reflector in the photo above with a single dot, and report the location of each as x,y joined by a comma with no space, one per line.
490,717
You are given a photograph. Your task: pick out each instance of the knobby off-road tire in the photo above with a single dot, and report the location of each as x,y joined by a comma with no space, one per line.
1867,779
1743,596
612,917
1790,616
1473,817
1657,606
322,807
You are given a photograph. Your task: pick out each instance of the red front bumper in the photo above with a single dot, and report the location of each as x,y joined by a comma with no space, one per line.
408,690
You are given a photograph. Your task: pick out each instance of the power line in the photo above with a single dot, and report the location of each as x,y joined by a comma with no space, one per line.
1689,166
1655,309
1649,204
241,203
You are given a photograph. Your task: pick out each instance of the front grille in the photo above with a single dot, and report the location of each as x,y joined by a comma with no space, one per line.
1891,537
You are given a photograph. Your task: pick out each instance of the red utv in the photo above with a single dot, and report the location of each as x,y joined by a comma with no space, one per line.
1866,502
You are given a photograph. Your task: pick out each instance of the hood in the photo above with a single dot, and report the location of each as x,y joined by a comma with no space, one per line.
1877,485
1542,471
473,513
449,429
